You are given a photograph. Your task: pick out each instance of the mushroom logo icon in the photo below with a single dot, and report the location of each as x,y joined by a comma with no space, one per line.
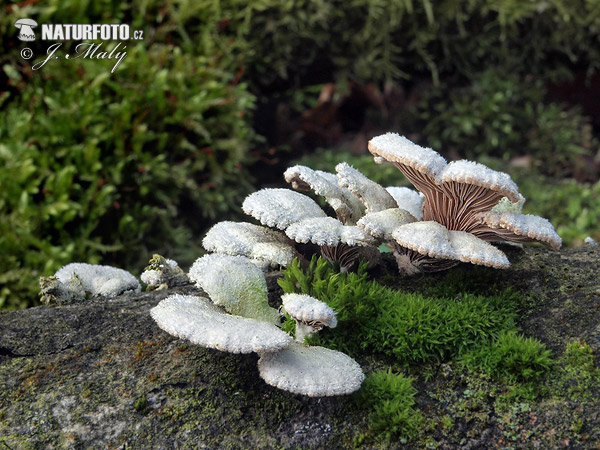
26,26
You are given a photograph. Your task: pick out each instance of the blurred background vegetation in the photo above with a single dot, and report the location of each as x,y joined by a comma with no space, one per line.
221,96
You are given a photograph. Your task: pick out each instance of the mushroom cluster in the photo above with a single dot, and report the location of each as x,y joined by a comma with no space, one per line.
465,205
459,208
236,317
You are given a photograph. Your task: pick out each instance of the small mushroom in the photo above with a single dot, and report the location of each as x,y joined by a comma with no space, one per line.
76,280
236,284
373,195
162,273
311,371
26,26
346,205
265,247
310,314
201,322
279,208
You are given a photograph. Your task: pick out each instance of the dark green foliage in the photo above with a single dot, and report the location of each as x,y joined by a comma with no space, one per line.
391,397
113,167
408,326
499,114
510,356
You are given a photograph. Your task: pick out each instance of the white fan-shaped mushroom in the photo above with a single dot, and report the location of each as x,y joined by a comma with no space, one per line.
253,241
477,174
397,149
373,195
470,248
427,238
346,205
526,226
236,284
200,322
279,208
312,371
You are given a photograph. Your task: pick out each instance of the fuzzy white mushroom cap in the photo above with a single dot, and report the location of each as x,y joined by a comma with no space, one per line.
396,148
199,321
307,309
279,208
436,241
346,205
382,224
312,371
236,284
505,205
408,199
253,241
373,195
477,174
327,231
471,249
533,227
95,279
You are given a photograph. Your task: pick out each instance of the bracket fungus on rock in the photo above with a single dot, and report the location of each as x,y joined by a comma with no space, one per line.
236,284
201,322
265,247
311,371
462,196
75,281
310,314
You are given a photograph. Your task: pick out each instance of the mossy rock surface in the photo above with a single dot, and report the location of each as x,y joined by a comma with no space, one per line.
101,374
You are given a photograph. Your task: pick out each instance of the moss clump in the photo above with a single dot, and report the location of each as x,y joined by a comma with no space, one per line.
391,396
408,326
511,357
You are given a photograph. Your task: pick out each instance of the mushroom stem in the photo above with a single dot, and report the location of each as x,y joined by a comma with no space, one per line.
303,331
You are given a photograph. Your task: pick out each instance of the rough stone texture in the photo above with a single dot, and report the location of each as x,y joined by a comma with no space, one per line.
101,374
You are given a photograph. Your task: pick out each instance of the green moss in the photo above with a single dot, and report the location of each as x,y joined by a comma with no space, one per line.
391,397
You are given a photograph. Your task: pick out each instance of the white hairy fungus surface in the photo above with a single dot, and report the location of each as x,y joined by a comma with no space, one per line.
311,371
395,148
346,205
236,284
427,238
98,280
408,199
477,174
309,310
382,224
163,272
327,231
533,227
253,241
279,208
471,249
373,195
199,321
436,241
